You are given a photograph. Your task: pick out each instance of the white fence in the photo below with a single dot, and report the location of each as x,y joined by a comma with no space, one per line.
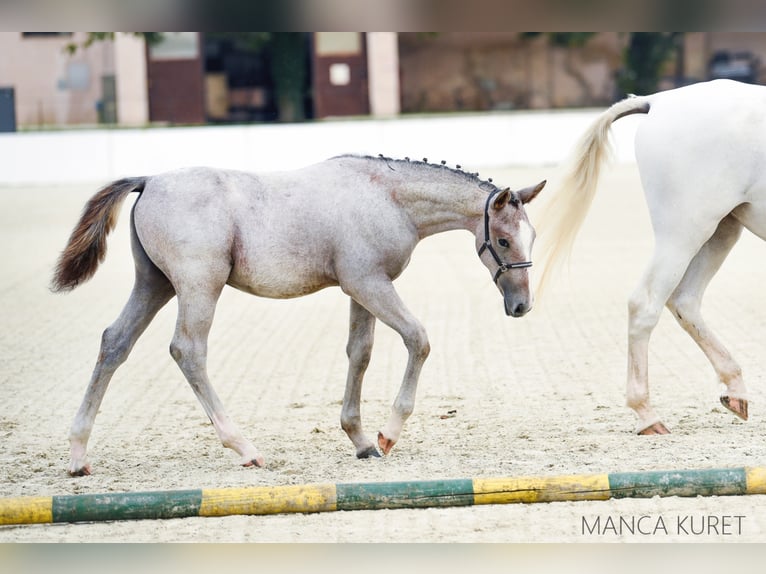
473,140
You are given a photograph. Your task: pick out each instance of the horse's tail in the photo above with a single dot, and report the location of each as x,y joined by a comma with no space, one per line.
87,244
564,215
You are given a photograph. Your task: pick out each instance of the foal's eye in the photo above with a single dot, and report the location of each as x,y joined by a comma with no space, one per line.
503,243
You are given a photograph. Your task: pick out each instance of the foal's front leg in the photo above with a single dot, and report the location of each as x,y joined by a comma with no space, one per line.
378,296
361,333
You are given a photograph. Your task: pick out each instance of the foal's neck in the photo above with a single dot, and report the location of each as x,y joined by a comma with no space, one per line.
445,212
440,203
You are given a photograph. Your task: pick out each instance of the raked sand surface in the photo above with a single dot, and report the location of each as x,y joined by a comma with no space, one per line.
538,396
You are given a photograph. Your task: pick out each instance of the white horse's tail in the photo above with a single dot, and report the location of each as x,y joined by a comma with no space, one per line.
564,215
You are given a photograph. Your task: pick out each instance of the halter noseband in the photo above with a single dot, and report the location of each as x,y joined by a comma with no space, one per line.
487,245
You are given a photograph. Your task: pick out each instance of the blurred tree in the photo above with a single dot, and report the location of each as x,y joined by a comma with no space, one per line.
643,59
150,37
564,39
289,69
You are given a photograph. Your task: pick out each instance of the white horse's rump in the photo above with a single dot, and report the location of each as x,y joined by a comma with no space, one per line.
701,154
349,221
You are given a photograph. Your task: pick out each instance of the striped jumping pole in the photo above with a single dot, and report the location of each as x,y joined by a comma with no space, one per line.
378,495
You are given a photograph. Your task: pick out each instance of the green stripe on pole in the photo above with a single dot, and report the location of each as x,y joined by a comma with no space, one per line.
126,506
716,482
415,494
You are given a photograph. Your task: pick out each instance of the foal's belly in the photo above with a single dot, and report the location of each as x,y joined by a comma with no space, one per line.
279,284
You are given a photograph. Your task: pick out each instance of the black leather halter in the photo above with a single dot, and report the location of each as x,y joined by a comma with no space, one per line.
487,245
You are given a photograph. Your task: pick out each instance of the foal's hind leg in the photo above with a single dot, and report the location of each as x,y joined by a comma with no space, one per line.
196,307
685,306
150,293
361,333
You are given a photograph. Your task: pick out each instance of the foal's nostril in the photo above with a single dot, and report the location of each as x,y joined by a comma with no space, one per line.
520,310
514,309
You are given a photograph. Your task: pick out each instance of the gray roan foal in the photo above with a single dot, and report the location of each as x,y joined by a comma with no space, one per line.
349,221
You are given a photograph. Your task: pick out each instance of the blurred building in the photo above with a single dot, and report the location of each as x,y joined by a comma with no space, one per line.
195,78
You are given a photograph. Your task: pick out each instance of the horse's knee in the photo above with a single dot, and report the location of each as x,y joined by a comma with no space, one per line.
176,351
425,350
359,351
184,352
114,347
642,316
685,309
418,345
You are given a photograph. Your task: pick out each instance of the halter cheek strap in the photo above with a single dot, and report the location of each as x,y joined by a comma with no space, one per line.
487,246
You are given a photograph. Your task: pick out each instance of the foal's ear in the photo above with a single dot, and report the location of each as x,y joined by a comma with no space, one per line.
501,199
529,193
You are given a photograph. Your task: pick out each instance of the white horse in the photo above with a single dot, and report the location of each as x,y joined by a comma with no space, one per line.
349,221
701,154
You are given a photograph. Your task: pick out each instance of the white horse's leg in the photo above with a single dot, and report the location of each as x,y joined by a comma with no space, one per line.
379,298
674,249
359,349
150,293
196,307
685,306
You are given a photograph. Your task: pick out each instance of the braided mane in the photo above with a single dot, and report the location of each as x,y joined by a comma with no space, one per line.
484,184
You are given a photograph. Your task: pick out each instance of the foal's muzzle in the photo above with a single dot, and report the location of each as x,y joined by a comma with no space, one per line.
514,307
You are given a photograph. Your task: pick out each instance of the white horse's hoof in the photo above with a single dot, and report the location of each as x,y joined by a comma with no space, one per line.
737,406
656,428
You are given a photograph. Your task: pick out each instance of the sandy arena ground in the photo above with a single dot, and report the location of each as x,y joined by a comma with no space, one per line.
538,396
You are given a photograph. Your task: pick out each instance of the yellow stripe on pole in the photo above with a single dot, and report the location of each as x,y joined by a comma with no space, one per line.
540,489
756,480
26,510
268,500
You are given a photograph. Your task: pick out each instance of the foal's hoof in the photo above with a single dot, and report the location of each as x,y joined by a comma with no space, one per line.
370,452
257,462
385,444
737,406
83,471
656,428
